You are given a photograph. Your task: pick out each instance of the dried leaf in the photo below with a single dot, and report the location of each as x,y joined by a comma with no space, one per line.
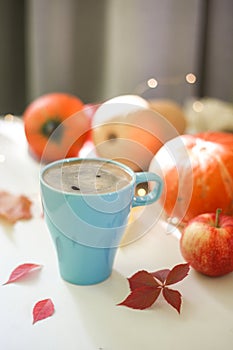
177,274
146,287
142,279
14,207
21,271
141,298
161,275
173,297
43,309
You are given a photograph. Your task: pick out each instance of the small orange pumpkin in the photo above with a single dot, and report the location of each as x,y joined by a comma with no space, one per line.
198,174
172,111
55,126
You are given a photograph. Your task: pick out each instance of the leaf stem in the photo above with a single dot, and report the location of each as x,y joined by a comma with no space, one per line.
218,211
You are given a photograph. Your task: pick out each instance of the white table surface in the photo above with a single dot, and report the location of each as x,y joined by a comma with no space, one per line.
86,317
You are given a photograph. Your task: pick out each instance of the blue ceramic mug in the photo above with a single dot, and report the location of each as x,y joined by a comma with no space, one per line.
87,210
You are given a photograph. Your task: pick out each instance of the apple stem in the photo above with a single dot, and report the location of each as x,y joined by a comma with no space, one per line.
218,211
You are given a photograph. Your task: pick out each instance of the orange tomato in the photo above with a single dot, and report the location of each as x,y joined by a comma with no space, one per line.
56,126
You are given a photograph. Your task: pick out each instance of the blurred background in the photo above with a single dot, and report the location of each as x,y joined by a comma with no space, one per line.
101,49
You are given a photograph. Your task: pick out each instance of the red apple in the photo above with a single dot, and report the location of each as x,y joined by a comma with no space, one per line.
207,243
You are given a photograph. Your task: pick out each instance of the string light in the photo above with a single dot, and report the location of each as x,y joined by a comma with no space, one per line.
141,192
142,189
176,80
152,83
191,78
198,106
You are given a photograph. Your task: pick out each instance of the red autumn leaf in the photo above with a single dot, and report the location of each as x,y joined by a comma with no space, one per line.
142,279
146,287
177,274
161,275
43,309
21,271
141,298
173,297
14,207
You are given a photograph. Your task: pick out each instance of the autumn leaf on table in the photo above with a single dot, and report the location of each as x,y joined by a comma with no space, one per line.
146,287
14,207
22,271
43,309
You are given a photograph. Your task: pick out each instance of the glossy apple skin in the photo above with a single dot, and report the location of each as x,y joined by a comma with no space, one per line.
209,249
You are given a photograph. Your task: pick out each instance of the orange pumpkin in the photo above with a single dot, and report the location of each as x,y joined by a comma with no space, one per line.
172,111
198,174
55,126
131,130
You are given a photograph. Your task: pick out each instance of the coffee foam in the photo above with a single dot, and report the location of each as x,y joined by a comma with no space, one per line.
87,177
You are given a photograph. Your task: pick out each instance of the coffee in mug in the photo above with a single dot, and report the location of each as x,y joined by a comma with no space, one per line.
86,204
89,177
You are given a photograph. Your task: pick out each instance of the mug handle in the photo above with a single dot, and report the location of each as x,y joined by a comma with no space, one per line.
152,196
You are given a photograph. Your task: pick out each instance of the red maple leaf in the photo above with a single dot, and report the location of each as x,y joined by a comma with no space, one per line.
42,309
161,275
146,287
173,297
141,298
177,274
141,279
21,271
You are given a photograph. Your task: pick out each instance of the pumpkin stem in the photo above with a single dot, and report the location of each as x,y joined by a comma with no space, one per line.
218,211
52,124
